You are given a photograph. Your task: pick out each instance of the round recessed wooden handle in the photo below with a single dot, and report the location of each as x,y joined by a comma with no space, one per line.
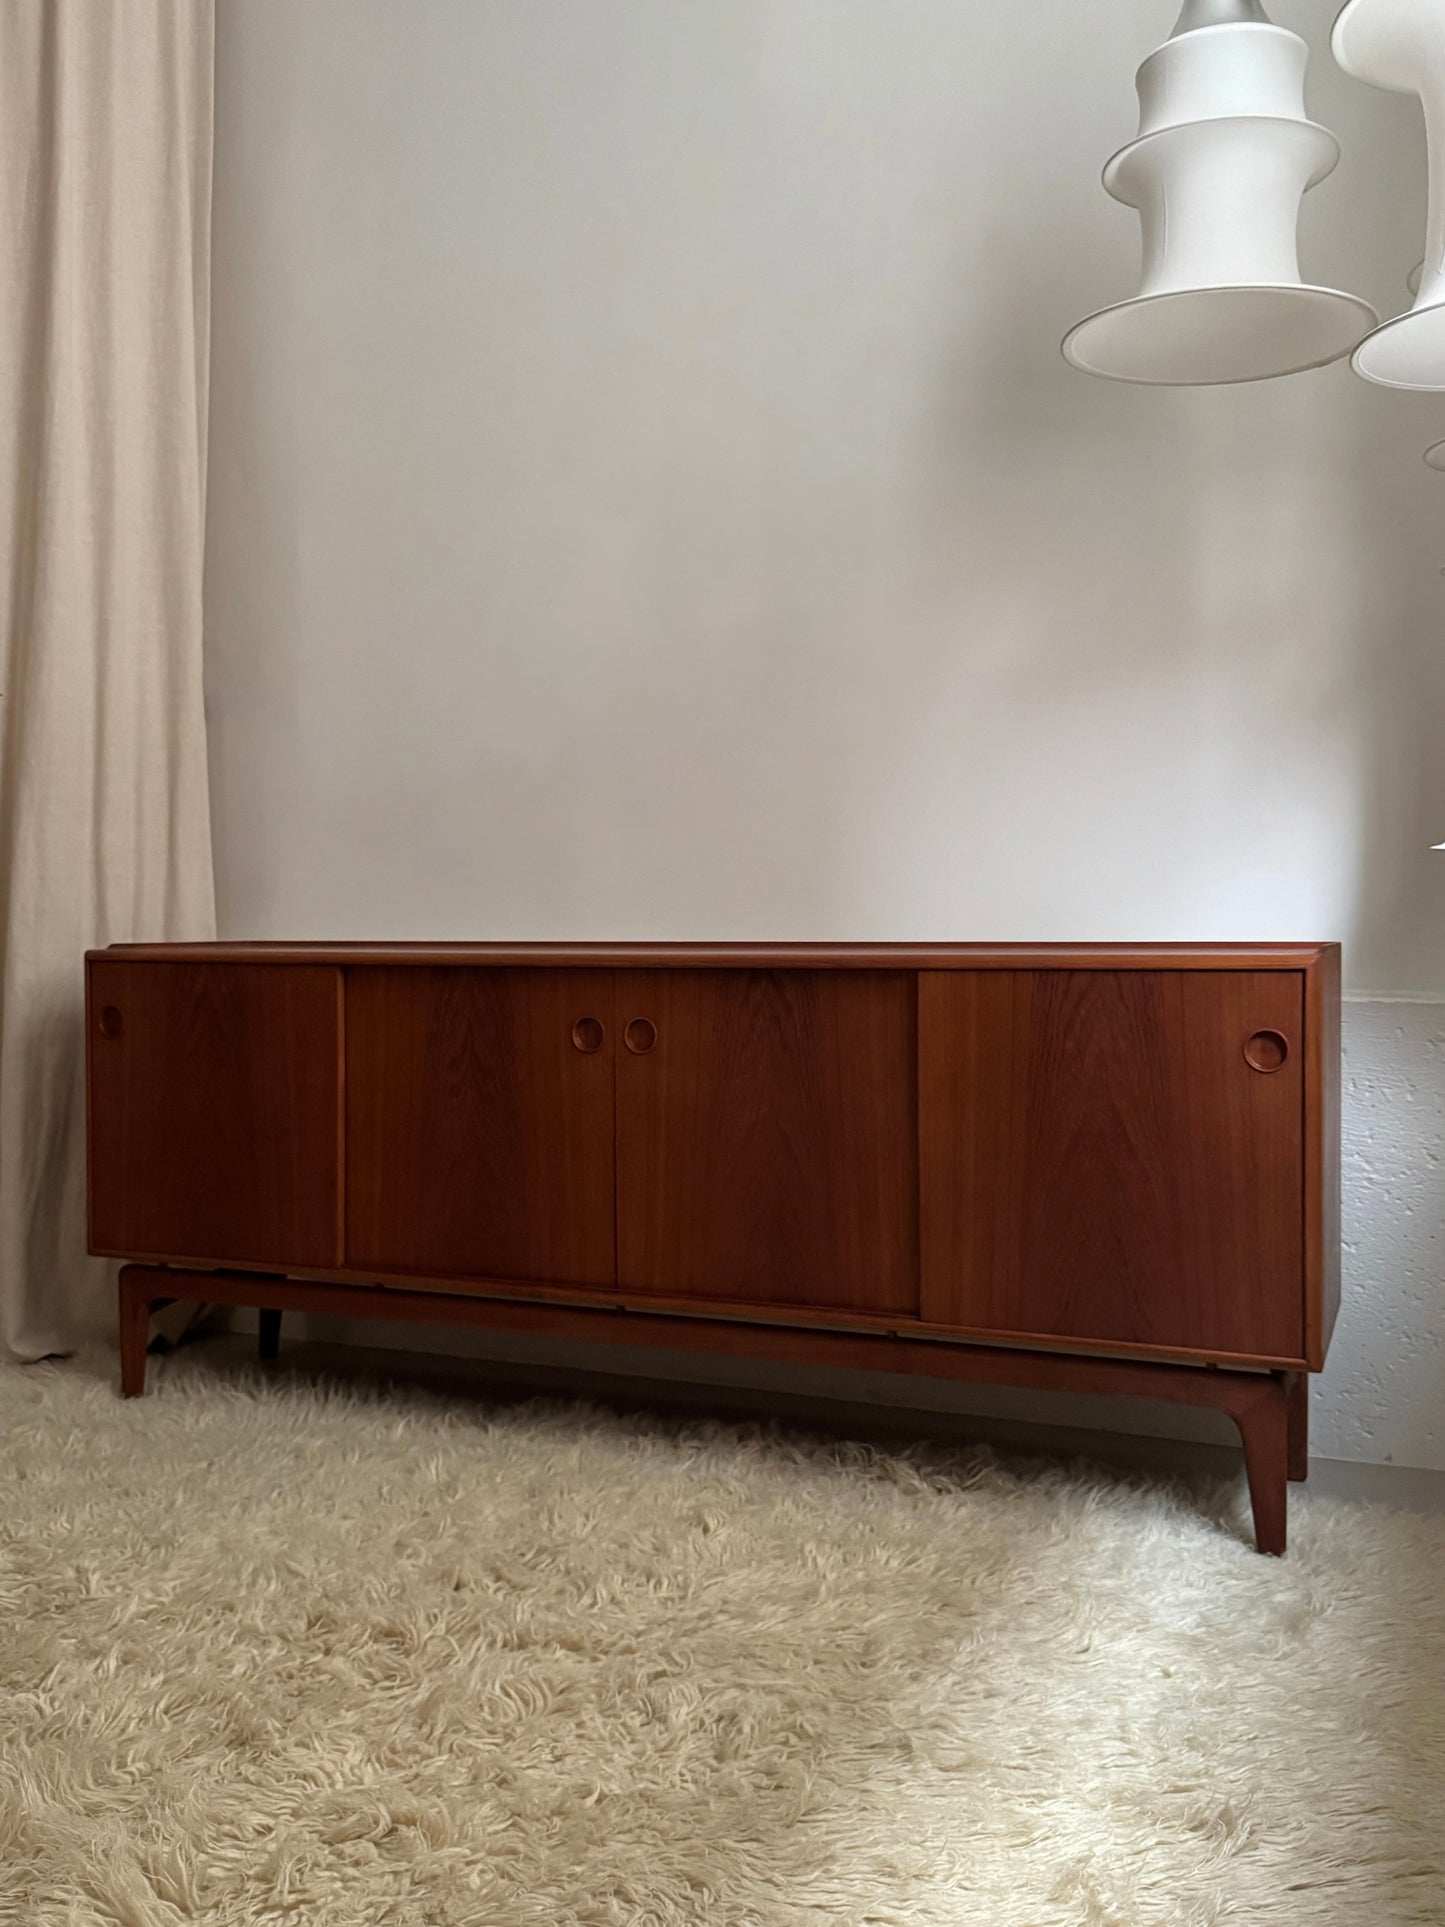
588,1035
112,1023
1266,1050
640,1036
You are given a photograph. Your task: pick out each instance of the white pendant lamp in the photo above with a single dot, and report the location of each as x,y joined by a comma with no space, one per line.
1400,45
1223,157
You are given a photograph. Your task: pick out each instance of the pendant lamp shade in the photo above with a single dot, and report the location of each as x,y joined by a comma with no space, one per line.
1224,155
1400,45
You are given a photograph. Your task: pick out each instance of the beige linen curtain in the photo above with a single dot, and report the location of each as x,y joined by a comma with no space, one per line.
105,187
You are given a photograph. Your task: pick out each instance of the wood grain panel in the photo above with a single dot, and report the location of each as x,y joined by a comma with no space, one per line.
767,1141
479,1134
215,1111
1101,1162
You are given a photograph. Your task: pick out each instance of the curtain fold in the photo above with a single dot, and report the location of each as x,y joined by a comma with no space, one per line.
105,192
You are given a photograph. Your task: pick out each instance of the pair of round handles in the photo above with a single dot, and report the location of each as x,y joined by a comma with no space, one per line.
639,1036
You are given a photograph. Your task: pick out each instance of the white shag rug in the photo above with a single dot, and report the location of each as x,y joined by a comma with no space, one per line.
273,1651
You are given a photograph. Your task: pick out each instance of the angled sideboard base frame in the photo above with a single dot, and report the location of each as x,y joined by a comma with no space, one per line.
1270,1409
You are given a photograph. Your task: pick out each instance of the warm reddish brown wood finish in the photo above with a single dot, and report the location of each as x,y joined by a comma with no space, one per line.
479,1128
859,1155
766,1141
1255,1401
143,1289
1297,1397
215,1111
1102,1161
753,956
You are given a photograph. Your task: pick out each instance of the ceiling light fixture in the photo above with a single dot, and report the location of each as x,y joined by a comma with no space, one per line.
1400,45
1224,155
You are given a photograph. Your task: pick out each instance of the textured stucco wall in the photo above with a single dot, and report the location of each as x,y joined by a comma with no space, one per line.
1383,1392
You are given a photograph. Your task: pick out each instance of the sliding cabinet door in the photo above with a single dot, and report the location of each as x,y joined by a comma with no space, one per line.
767,1137
479,1123
215,1095
1115,1156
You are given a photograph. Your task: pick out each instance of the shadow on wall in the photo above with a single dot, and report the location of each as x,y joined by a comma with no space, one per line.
661,509
1207,617
1184,652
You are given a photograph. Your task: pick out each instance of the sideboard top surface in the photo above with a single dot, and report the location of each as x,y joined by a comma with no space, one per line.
759,956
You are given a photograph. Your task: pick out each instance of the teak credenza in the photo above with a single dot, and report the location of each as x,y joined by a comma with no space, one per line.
1100,1169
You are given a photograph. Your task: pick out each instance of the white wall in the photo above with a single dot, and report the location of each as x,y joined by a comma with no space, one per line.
647,501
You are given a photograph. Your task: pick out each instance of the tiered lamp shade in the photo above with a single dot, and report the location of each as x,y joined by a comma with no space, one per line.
1223,157
1400,45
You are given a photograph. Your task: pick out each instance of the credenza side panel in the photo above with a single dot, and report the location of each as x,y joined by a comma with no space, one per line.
479,1123
215,1111
1102,1163
1322,1154
767,1137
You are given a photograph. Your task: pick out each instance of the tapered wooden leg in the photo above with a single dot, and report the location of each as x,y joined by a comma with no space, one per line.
142,1290
1263,1422
135,1332
1297,1390
270,1333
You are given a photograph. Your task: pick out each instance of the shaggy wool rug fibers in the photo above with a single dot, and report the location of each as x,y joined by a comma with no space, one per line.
280,1651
